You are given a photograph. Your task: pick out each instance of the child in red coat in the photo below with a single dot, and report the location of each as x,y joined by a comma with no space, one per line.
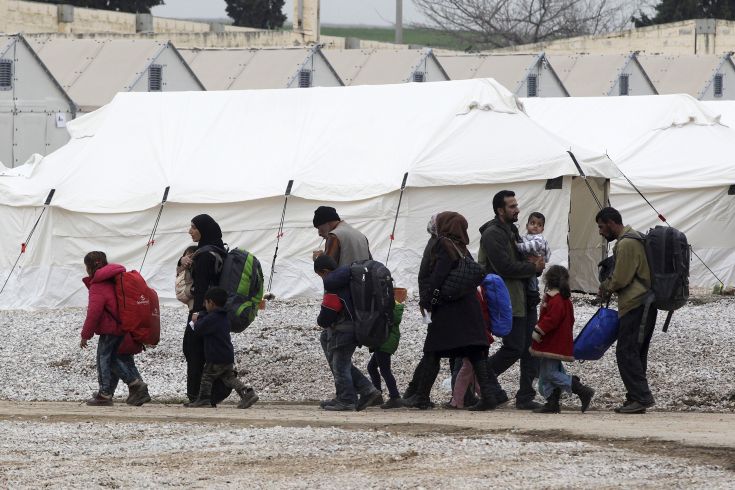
552,342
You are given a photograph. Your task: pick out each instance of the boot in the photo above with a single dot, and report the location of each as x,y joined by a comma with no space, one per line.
429,370
487,399
200,403
247,397
552,403
585,393
138,393
100,400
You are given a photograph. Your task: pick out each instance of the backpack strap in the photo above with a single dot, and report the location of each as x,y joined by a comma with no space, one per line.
648,302
217,252
668,320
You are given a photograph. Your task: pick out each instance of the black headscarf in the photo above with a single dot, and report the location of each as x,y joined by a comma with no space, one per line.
211,233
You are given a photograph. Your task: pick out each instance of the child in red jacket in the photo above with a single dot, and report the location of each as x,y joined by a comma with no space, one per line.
552,342
102,314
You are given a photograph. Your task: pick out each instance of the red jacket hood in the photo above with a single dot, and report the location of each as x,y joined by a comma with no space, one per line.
104,273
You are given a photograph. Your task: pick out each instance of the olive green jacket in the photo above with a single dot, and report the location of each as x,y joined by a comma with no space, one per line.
631,279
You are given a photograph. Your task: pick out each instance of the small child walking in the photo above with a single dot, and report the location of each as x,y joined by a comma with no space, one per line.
552,342
380,361
219,354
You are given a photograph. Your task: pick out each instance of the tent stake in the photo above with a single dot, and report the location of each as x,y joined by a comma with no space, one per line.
152,238
280,232
395,220
24,245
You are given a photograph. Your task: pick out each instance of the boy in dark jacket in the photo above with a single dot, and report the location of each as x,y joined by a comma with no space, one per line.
219,355
338,341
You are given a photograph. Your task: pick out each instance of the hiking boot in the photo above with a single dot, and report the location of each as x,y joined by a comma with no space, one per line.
585,393
200,403
138,393
633,407
392,403
338,406
485,403
247,397
100,400
552,403
487,399
368,400
529,405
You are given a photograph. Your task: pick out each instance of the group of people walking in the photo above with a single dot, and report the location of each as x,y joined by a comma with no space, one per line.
456,329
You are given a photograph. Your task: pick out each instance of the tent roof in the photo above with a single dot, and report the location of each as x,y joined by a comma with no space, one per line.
682,74
725,109
242,69
659,141
220,147
589,75
375,66
510,70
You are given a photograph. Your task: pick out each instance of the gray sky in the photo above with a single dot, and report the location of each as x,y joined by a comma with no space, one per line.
368,12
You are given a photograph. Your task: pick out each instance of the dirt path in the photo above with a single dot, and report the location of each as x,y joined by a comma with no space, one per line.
300,446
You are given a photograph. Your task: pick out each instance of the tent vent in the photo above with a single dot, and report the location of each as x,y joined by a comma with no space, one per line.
731,190
624,84
419,76
155,78
305,78
532,86
552,184
718,85
6,74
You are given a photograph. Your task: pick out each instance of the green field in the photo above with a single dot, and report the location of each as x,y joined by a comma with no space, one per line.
419,36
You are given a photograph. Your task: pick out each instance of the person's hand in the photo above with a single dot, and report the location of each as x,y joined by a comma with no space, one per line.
186,261
539,262
316,253
194,317
83,343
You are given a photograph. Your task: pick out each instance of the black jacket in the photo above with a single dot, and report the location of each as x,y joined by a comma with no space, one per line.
214,327
454,324
204,275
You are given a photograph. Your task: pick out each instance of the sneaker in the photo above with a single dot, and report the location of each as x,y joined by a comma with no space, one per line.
248,399
200,403
392,403
100,400
634,407
324,403
338,406
368,400
529,405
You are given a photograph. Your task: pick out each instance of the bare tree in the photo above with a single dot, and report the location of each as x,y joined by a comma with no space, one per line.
501,23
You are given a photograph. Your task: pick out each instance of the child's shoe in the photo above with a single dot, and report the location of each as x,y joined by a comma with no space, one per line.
100,400
138,393
585,393
200,403
552,403
247,397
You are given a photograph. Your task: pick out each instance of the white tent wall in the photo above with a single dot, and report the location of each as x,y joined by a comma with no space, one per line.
586,247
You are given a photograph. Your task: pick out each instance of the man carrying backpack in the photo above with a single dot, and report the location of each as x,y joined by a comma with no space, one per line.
344,243
631,282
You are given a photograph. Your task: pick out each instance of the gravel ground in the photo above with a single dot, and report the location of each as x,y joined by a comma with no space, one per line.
36,454
690,368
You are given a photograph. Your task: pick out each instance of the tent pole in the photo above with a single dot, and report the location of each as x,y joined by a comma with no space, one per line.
24,245
151,239
395,220
280,232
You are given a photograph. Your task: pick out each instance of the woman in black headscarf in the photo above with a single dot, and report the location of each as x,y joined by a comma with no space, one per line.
205,265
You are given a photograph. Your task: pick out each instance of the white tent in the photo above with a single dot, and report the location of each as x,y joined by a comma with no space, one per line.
231,154
675,150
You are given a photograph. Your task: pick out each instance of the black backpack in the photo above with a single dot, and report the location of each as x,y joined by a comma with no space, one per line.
668,255
371,287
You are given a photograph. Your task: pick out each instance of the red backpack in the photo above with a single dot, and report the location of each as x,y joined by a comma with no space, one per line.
138,306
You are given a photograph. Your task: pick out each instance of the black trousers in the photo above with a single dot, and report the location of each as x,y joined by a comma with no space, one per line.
632,355
194,354
380,365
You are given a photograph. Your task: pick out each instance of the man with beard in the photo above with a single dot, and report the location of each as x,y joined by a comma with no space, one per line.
631,282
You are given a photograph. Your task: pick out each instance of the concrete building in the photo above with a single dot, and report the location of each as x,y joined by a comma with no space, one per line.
92,71
526,75
383,66
591,75
704,77
242,69
34,107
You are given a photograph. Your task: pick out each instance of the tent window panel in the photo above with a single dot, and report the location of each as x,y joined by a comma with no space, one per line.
155,78
305,79
718,85
419,76
6,74
554,184
624,84
532,86
731,190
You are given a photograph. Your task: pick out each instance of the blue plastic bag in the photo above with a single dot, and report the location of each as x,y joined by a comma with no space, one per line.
597,336
498,305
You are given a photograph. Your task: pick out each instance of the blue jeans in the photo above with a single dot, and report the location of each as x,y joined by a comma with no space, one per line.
552,375
129,361
109,364
348,380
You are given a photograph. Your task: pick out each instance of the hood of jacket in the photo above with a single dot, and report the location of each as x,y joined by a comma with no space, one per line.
104,273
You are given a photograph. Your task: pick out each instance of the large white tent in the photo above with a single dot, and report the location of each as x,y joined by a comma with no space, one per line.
231,155
676,152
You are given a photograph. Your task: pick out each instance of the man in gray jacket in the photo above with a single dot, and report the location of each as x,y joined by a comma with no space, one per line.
499,255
